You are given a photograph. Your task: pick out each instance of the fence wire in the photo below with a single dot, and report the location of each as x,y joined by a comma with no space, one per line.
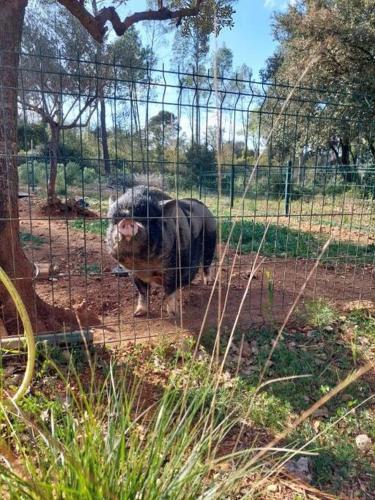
88,130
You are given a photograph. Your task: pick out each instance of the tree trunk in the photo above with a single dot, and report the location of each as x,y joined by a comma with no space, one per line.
53,147
302,168
12,257
103,123
348,171
104,137
345,152
372,148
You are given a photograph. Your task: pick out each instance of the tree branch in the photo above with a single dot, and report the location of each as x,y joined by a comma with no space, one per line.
79,116
95,25
40,111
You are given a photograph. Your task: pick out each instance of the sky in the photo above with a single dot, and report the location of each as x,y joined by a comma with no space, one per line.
250,39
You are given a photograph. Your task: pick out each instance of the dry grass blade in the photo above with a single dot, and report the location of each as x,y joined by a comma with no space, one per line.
235,219
291,310
279,468
255,267
306,414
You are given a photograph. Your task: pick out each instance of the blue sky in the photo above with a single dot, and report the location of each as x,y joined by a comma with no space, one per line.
250,39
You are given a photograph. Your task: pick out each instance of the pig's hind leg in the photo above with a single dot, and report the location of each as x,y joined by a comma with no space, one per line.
143,297
209,246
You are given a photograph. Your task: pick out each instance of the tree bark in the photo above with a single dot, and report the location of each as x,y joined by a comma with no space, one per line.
103,123
12,257
53,147
371,145
348,171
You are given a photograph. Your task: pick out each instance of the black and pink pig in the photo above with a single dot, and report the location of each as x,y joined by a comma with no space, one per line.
161,241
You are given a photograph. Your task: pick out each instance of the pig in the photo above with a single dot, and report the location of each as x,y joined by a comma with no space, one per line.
161,241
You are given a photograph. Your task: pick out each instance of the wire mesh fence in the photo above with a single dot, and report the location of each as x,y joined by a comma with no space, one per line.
289,156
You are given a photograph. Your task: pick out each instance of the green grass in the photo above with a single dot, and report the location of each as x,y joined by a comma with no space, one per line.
281,241
91,269
93,440
98,226
28,239
150,420
328,350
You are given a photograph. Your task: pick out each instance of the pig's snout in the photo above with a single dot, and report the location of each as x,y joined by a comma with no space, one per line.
128,228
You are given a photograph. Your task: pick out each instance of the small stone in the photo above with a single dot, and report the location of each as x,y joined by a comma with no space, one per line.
246,349
363,442
316,425
321,412
272,488
346,397
300,467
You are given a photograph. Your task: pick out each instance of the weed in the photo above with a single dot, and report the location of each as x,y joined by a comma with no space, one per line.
98,226
31,240
319,313
92,269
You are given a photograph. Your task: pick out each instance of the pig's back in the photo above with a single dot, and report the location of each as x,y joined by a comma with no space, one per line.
197,236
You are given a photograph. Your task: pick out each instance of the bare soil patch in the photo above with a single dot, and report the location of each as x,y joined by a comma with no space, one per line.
85,275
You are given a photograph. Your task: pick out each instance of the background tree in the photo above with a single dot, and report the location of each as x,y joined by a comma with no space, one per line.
201,163
191,47
51,84
222,59
342,35
163,129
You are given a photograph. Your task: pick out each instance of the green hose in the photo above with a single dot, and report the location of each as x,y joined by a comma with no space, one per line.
29,335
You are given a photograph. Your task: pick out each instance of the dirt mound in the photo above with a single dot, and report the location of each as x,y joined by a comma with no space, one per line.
71,208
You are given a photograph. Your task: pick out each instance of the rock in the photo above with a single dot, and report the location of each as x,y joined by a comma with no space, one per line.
316,425
321,412
246,349
363,442
301,467
272,488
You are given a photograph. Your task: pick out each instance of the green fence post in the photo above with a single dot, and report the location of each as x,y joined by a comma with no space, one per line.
288,187
232,187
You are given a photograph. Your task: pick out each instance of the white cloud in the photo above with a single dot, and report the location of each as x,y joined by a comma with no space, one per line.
278,4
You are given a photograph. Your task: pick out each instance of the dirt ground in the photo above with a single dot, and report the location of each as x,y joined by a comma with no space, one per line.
113,299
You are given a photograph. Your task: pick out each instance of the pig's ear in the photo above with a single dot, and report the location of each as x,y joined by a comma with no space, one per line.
164,203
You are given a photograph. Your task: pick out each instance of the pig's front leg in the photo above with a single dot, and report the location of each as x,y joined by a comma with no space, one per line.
171,303
143,297
170,288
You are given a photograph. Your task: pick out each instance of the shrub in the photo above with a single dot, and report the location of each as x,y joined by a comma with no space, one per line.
368,184
71,176
37,171
201,163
